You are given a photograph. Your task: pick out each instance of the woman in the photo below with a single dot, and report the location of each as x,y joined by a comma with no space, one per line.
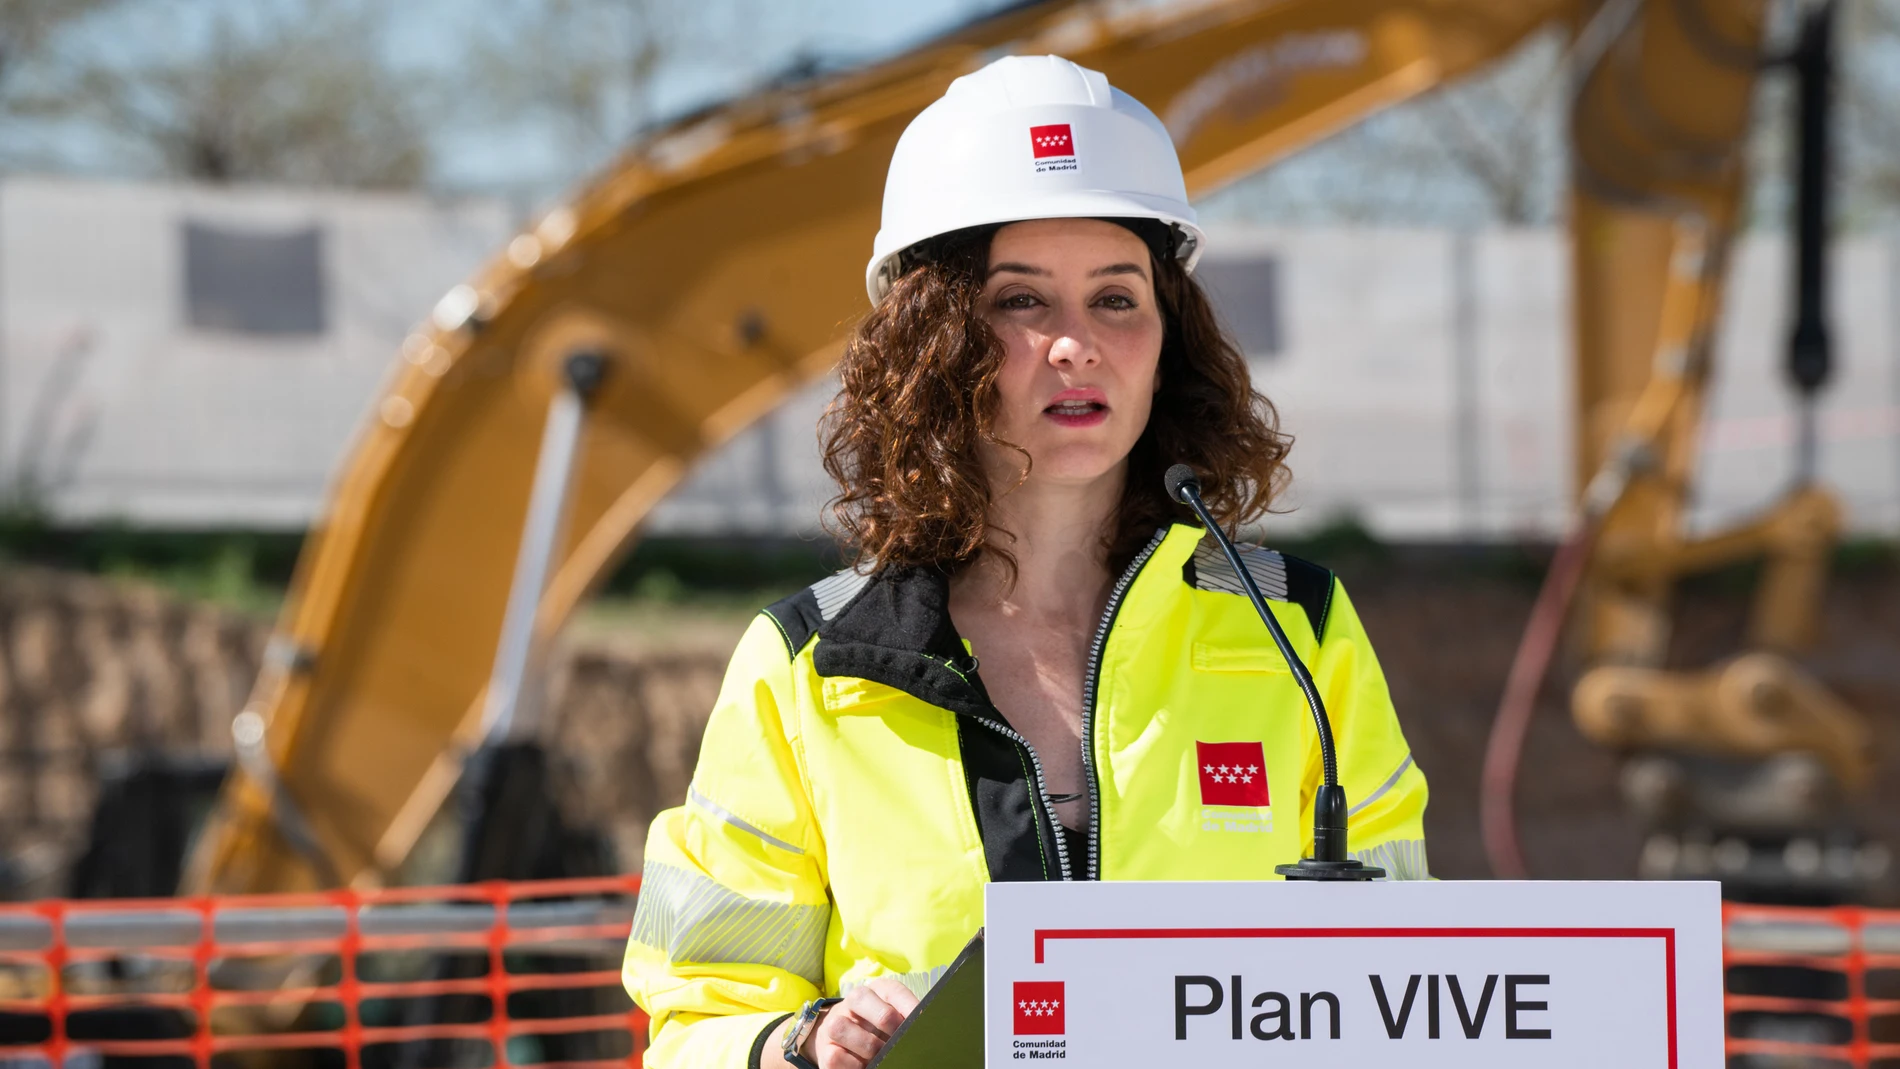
1039,670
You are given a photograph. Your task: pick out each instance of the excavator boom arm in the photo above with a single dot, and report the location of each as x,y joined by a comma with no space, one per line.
711,270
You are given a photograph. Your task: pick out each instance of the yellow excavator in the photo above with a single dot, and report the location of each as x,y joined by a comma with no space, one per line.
550,402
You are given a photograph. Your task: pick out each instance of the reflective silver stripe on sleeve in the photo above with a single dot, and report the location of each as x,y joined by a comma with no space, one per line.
1402,859
715,809
919,982
1390,782
696,921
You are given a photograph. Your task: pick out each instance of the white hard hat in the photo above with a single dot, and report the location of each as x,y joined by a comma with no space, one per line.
1028,137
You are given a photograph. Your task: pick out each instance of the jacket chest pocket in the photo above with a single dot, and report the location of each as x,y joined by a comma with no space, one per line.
1208,657
845,694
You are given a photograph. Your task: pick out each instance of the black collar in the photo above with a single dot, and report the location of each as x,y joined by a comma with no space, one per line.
897,631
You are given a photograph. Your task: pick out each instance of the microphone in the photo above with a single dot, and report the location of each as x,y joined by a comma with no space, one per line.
1329,860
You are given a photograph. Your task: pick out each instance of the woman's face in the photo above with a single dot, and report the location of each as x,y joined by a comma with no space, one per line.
1073,301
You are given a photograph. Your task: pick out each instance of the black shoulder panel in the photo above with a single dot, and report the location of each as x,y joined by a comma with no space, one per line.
1311,588
797,619
800,616
1278,576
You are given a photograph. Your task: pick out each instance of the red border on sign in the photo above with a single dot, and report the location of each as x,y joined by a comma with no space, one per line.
1667,935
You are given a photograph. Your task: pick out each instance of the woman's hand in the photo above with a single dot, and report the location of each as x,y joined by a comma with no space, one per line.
851,1033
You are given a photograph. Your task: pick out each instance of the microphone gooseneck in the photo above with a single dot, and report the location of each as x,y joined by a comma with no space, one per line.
1330,860
1185,487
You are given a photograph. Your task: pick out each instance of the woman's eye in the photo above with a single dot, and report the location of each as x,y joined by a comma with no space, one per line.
1017,300
1120,302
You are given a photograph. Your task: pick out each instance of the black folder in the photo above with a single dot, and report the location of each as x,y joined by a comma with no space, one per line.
945,1031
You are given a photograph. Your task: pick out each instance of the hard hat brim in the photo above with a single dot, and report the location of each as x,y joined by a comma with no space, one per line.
882,271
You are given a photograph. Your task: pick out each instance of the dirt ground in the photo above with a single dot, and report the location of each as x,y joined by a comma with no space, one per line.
89,668
1445,636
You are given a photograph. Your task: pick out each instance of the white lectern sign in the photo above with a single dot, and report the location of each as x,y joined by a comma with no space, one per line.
1419,975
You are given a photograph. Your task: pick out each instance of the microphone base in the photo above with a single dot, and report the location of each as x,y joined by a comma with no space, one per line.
1347,871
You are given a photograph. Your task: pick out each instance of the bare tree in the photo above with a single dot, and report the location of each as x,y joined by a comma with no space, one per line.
27,26
1500,131
296,93
1868,147
1484,149
31,33
584,76
586,65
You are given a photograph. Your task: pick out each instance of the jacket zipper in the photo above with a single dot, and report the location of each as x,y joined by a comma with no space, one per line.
1035,764
1090,683
1042,792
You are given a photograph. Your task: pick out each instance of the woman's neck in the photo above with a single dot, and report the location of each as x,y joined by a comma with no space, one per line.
1056,534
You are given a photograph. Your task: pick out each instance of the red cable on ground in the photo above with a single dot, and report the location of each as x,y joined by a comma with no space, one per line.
1497,816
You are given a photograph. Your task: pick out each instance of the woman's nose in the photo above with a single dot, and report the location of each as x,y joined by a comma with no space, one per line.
1072,347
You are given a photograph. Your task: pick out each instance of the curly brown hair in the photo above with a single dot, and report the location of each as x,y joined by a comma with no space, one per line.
918,395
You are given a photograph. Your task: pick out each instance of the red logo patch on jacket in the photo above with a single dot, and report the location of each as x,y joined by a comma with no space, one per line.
1233,773
1052,140
1038,1010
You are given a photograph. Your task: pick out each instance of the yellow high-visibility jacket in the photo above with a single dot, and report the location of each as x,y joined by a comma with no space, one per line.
857,788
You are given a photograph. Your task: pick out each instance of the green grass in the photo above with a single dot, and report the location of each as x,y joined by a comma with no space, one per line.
684,589
246,571
227,578
664,585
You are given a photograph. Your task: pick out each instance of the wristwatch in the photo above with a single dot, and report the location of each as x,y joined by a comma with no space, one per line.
802,1029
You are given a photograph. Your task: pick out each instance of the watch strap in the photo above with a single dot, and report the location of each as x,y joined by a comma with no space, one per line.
804,1026
758,1045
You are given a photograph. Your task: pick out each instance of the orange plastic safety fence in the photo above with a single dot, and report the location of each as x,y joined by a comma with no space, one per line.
1812,986
396,979
527,974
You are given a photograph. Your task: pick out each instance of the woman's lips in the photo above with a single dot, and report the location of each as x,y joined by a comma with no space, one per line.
1077,413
